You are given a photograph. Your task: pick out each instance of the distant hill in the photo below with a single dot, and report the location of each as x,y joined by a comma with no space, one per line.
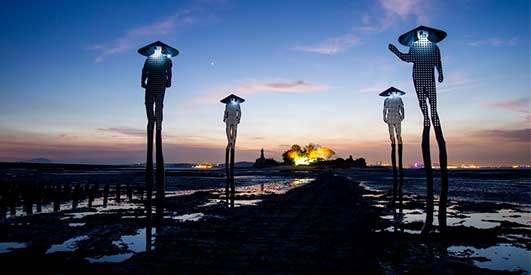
37,160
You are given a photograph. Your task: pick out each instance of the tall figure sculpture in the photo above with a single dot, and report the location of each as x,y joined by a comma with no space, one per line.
425,56
231,117
156,77
393,114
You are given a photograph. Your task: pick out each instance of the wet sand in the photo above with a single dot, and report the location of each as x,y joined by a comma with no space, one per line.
331,225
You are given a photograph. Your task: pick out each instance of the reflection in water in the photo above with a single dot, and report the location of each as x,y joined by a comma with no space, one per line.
10,246
67,246
117,258
193,217
500,257
138,242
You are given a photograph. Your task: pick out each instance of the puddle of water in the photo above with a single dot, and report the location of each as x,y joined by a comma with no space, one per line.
476,220
6,247
117,258
137,242
193,217
68,246
501,257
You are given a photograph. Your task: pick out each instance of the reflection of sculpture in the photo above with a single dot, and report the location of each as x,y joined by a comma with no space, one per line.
231,118
425,56
393,114
156,77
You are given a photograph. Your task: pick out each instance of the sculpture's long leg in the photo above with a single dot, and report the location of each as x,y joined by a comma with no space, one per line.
393,161
443,159
444,178
149,170
227,173
232,189
160,179
401,172
429,179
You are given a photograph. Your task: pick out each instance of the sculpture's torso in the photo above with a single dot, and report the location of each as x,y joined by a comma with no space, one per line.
424,56
157,68
233,113
394,107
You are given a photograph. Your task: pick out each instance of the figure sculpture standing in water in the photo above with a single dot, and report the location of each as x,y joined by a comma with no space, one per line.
425,56
156,77
393,114
231,117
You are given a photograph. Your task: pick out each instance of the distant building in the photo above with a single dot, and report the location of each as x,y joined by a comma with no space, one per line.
263,162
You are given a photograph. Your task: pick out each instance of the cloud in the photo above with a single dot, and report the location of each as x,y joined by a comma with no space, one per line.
132,38
494,41
520,105
331,46
389,12
256,87
125,131
297,86
520,135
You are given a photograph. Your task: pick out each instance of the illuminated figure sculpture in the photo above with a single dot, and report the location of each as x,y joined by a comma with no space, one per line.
425,56
231,117
393,114
156,77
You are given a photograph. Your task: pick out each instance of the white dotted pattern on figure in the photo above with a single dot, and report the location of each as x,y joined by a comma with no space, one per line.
393,114
232,118
425,57
157,70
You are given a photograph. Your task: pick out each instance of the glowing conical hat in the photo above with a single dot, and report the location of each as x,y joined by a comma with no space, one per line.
391,90
150,49
434,35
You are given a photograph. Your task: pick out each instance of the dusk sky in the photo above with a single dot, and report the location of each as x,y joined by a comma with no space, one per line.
310,71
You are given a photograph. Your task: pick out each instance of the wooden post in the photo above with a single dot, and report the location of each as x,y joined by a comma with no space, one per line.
105,194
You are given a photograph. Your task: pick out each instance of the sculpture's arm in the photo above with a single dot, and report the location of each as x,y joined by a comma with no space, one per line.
404,56
168,73
145,73
239,114
438,63
385,111
401,110
226,114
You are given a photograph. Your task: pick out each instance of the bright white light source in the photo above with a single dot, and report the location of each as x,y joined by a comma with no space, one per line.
168,55
157,52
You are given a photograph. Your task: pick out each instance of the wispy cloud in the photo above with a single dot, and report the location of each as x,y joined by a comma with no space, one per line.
331,46
132,38
256,87
125,131
494,41
520,105
389,12
297,86
519,135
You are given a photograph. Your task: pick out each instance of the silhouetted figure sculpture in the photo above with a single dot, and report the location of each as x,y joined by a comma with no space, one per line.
425,56
393,114
156,77
231,117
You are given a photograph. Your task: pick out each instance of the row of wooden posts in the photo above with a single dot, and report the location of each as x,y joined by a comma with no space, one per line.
28,194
